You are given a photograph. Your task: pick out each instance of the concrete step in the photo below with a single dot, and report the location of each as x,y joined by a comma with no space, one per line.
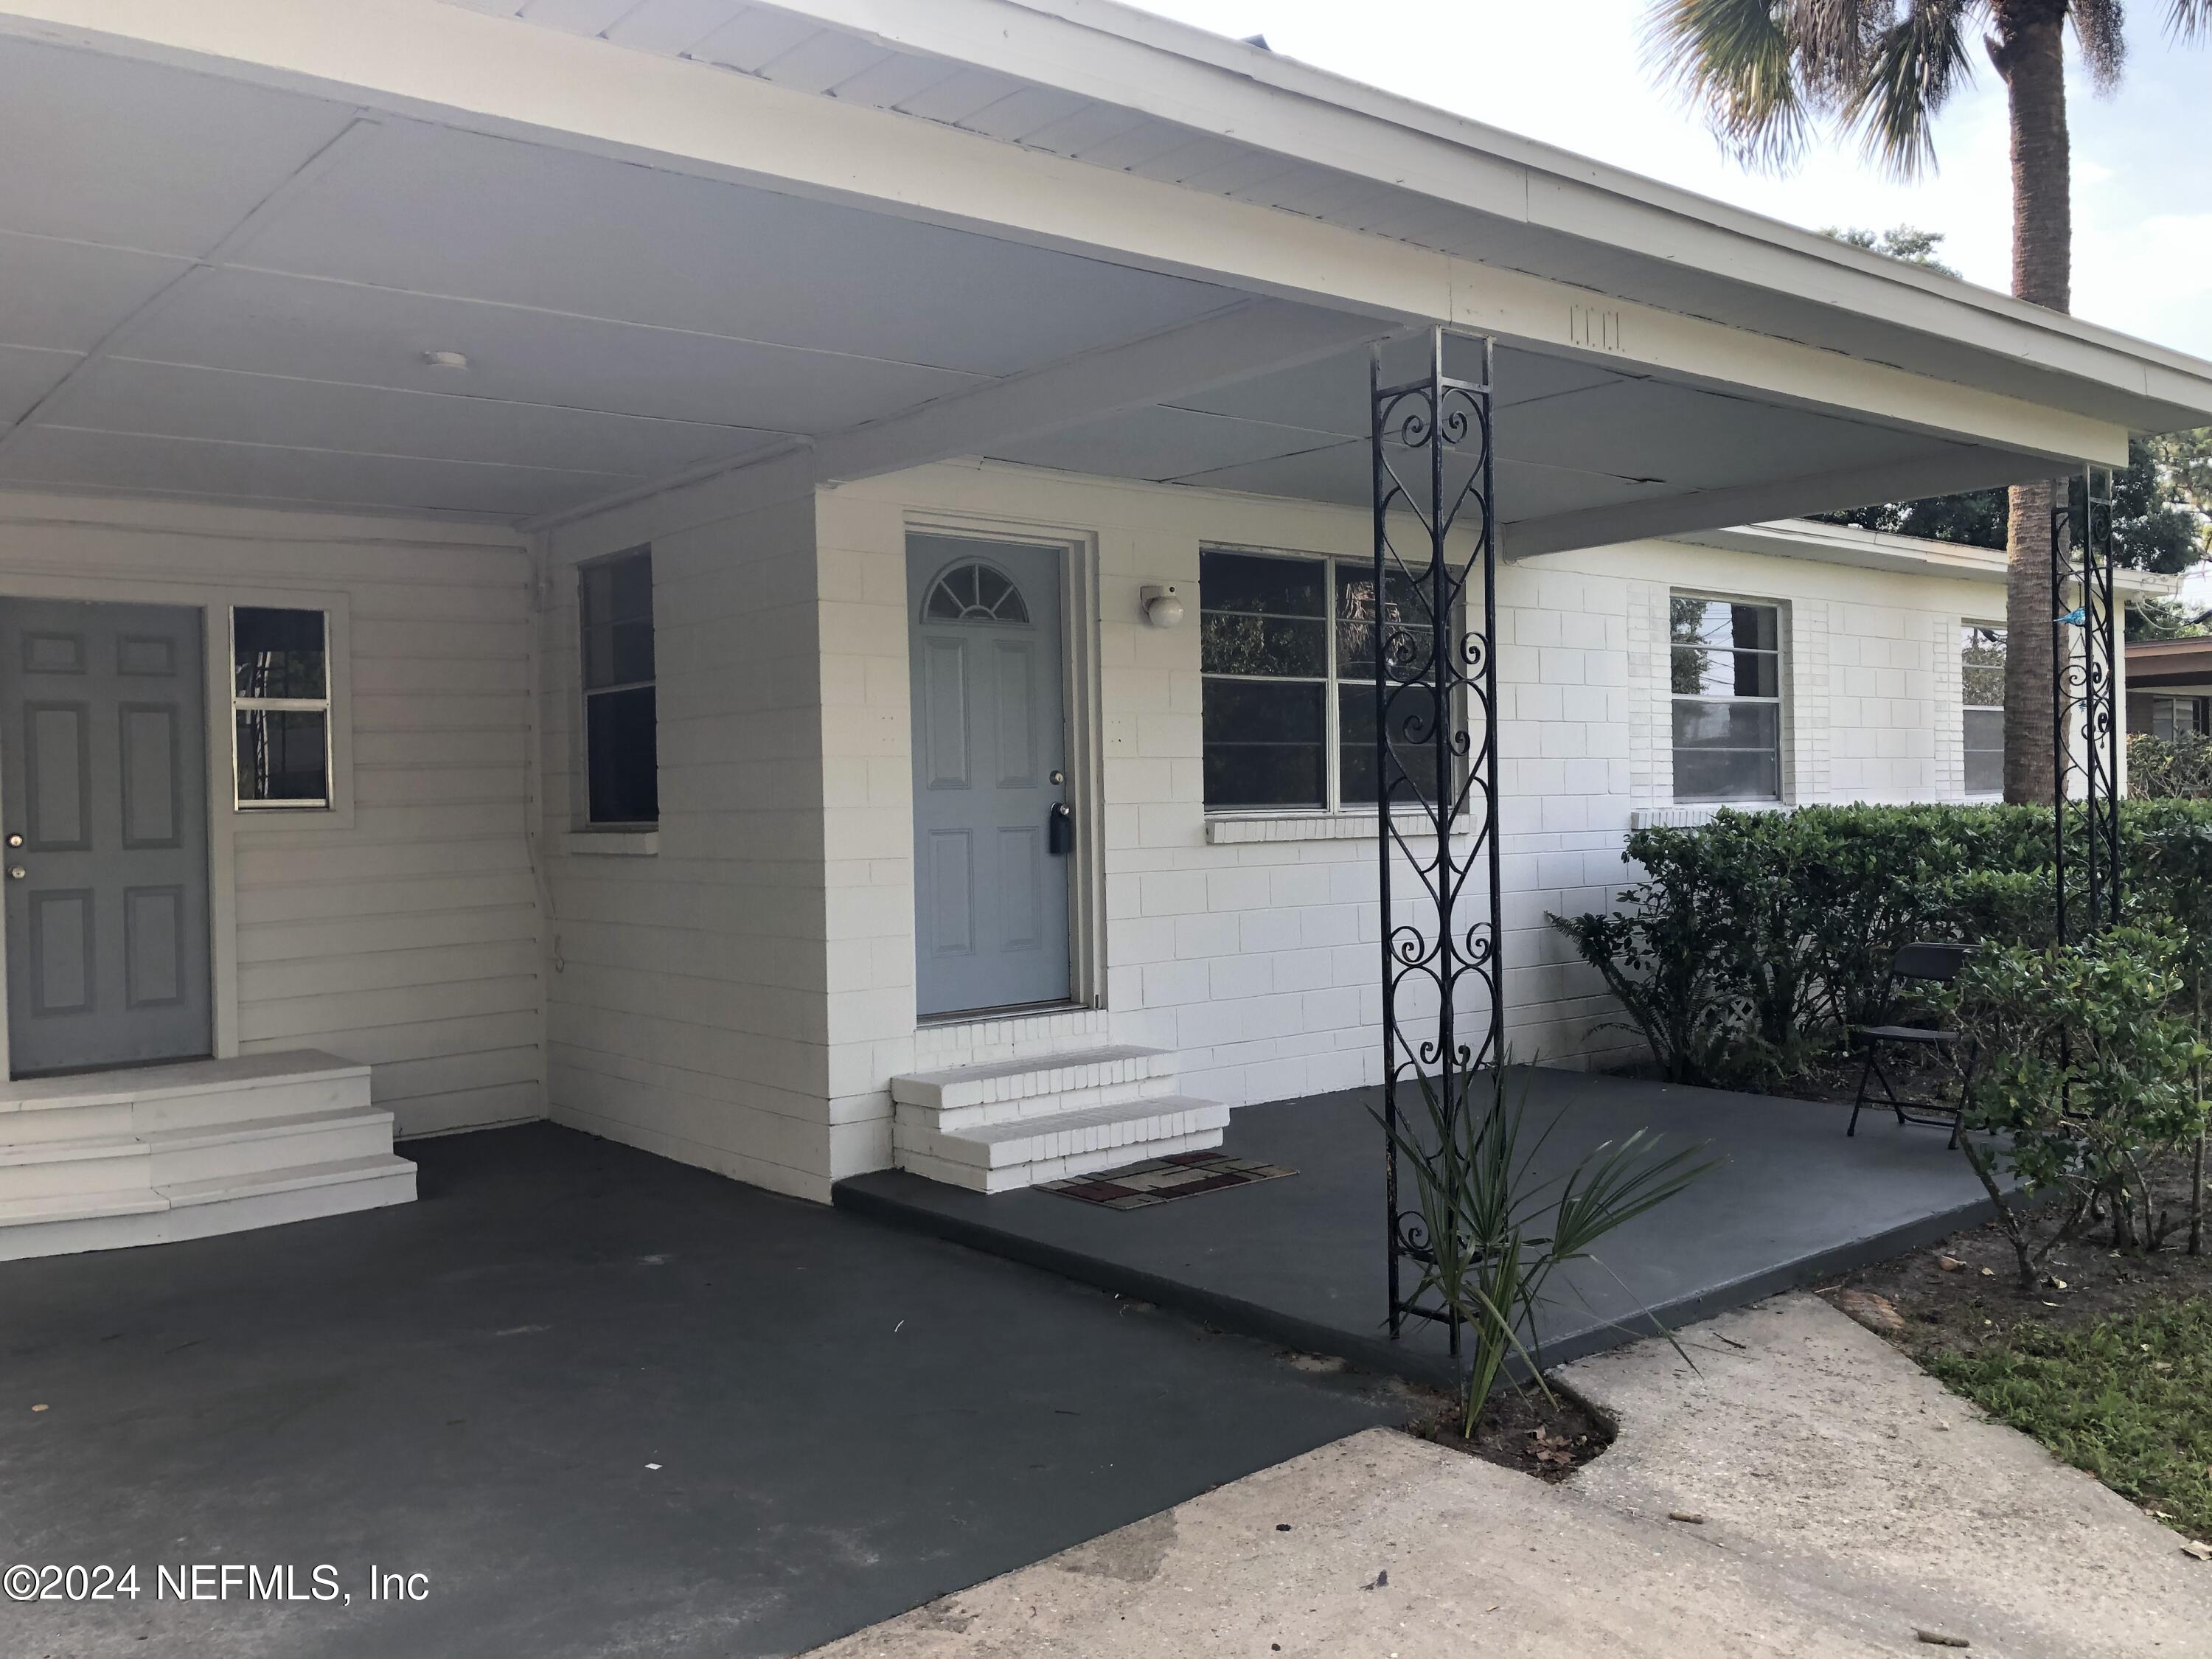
261,1144
202,1208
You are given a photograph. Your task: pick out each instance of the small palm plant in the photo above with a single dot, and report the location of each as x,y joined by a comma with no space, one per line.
1497,1229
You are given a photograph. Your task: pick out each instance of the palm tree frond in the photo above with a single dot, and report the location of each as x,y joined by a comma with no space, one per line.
2188,20
1917,62
1734,59
1834,41
2101,26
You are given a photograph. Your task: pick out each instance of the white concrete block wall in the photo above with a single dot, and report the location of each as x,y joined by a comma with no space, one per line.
1252,947
742,998
402,931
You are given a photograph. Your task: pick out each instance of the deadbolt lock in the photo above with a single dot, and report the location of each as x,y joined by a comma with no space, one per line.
15,840
16,873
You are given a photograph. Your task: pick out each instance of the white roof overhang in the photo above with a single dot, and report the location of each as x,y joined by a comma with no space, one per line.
681,233
1875,549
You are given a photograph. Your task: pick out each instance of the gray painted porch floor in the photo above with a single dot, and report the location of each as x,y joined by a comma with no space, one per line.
849,1419
1300,1261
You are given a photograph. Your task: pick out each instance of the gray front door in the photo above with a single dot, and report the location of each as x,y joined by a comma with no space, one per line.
103,776
990,749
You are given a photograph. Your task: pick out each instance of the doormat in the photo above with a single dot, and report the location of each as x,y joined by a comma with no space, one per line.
1180,1175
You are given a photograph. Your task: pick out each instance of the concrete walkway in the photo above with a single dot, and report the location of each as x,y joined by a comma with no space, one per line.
1849,1502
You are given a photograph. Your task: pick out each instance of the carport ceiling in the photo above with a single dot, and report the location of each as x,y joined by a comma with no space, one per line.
209,289
213,290
1571,437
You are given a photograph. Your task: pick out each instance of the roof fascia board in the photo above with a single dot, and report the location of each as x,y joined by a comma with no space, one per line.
1875,549
1682,516
1229,89
443,63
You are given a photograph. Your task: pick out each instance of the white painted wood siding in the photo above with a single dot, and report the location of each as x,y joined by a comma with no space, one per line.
402,932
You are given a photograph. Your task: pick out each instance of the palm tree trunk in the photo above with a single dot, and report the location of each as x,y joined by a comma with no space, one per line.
2029,52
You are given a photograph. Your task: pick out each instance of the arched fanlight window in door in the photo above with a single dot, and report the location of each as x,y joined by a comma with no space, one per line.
974,593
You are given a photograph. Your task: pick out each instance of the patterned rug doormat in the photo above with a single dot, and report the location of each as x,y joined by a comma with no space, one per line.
1180,1175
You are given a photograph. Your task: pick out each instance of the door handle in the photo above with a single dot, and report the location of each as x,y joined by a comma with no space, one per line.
1059,831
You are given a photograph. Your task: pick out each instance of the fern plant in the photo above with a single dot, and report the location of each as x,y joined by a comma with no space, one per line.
1498,1228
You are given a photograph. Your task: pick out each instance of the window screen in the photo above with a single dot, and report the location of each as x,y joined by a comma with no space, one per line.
621,714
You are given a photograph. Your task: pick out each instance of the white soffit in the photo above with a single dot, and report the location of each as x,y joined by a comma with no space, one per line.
217,291
232,293
1494,198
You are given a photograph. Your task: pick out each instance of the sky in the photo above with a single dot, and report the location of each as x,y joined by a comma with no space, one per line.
1571,73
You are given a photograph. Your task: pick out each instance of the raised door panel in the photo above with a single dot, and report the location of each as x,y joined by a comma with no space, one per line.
154,934
1014,712
62,956
153,780
949,893
57,781
945,743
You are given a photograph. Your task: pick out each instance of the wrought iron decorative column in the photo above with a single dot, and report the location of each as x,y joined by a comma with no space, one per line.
1435,756
2086,719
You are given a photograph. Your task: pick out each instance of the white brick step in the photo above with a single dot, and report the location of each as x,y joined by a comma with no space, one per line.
199,1209
1040,1076
1127,1127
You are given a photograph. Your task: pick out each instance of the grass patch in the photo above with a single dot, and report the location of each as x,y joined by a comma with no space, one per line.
2128,1398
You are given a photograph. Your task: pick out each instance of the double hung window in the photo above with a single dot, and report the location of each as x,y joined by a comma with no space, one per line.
1287,648
1725,673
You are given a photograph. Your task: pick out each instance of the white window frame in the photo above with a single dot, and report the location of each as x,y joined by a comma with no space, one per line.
1780,700
1331,712
1966,708
326,704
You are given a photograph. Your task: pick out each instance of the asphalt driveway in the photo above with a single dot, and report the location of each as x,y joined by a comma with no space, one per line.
581,1401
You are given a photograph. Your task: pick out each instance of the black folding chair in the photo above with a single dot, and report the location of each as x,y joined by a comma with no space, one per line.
1923,963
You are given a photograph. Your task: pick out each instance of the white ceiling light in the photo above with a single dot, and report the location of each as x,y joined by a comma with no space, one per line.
445,359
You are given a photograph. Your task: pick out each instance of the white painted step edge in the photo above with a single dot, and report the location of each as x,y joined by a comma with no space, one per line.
1067,1073
977,1179
200,1209
185,1079
1005,1146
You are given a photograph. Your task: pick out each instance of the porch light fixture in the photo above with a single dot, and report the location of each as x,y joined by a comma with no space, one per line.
1162,607
445,359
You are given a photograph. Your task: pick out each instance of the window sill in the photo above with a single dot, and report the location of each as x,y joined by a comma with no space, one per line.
611,843
1244,829
1694,816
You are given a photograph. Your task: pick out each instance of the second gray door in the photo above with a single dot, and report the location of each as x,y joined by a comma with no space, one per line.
990,752
103,777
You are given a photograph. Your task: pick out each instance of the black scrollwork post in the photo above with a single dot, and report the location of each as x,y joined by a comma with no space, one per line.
1436,760
2086,719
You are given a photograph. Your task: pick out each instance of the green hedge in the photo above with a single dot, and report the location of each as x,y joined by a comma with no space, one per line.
2171,768
1744,949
